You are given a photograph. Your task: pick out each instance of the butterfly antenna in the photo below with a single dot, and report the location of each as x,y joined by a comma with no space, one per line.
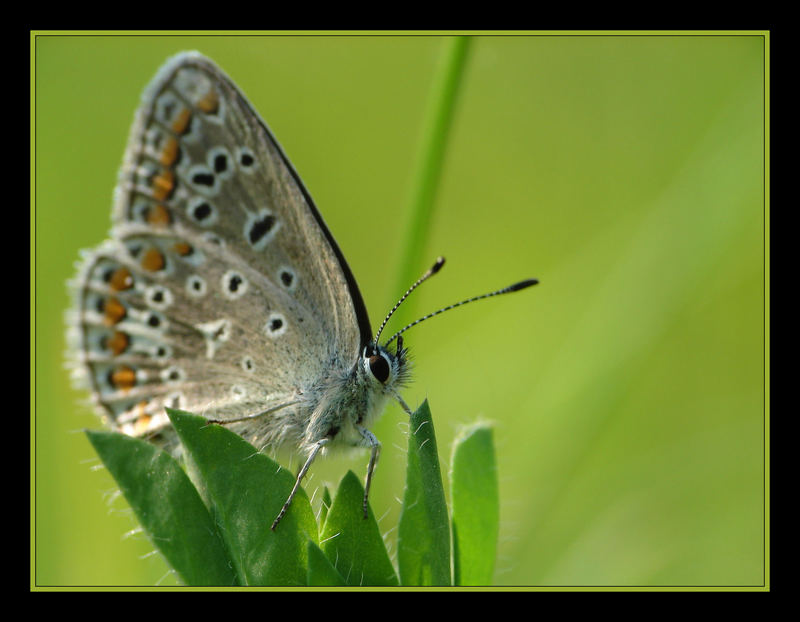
506,290
428,274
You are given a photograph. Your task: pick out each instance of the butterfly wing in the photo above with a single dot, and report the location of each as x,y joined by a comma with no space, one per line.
221,290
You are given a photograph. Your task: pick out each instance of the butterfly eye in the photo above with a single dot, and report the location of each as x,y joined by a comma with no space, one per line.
379,367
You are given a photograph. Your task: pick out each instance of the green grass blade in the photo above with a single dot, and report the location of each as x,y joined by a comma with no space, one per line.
168,507
436,129
475,502
247,490
352,543
320,570
423,542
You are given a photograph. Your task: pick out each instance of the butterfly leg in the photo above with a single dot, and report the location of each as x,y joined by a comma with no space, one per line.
369,440
269,411
402,402
320,444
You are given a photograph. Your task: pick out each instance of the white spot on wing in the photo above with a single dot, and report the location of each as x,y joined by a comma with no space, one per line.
216,333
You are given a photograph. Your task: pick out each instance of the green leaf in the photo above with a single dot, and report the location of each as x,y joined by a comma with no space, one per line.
246,490
423,538
475,501
320,570
167,506
352,543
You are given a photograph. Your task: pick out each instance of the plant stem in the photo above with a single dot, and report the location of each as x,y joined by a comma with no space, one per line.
438,120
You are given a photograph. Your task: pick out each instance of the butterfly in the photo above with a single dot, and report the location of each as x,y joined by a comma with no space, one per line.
222,291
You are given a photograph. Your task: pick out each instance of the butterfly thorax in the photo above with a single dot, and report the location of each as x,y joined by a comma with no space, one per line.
349,400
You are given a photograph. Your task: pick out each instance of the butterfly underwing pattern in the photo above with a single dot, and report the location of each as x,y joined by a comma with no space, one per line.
221,290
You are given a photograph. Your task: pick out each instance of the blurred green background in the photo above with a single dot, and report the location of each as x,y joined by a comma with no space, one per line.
627,173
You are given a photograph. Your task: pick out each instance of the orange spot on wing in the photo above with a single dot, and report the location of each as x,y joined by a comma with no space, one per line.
121,280
163,185
158,215
113,312
209,103
181,122
153,260
170,152
143,422
118,343
183,248
123,378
